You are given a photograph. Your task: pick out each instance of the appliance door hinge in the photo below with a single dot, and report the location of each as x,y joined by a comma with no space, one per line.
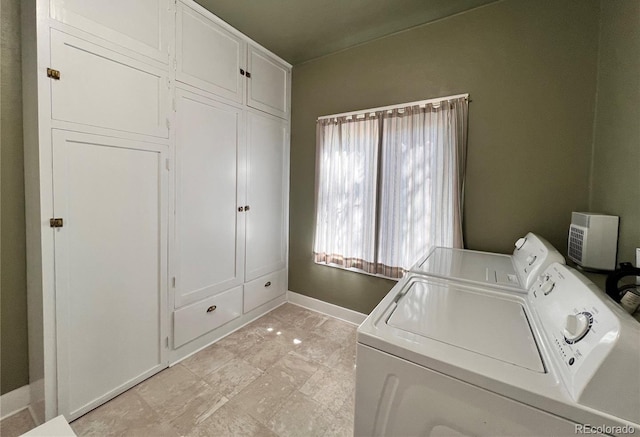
56,222
53,74
168,165
166,342
173,282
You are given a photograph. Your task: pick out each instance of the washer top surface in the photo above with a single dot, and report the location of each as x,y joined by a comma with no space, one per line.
479,267
478,322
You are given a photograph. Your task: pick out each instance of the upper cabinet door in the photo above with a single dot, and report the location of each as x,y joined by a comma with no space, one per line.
209,227
104,89
267,176
268,84
208,56
140,25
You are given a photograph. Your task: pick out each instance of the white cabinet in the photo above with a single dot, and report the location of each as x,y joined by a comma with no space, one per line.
267,176
206,315
110,265
232,67
208,56
209,228
144,145
268,83
102,88
142,26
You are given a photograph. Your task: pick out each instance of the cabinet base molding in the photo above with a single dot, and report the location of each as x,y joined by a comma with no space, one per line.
327,308
195,346
15,401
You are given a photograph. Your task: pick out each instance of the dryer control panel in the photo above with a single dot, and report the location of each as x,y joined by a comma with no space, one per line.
593,340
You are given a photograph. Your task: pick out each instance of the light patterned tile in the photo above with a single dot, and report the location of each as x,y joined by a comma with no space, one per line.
317,348
300,416
164,387
208,359
196,412
341,424
265,354
271,328
117,417
232,377
264,396
330,388
16,424
297,367
240,341
288,313
232,422
343,359
337,330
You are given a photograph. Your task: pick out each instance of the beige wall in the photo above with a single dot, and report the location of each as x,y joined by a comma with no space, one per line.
14,367
530,68
616,152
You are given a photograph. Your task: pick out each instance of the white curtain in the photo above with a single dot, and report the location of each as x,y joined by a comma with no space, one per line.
422,175
389,186
346,180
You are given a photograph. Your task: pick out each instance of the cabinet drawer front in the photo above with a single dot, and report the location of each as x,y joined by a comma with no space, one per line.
101,88
208,56
268,86
140,25
201,317
264,289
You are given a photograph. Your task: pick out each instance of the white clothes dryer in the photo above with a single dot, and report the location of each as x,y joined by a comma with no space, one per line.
516,272
444,358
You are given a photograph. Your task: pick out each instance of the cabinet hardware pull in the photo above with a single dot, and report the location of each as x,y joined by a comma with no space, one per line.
248,74
246,208
240,208
56,222
53,74
241,72
268,284
211,309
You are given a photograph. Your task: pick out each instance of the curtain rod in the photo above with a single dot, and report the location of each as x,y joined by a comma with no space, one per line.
401,105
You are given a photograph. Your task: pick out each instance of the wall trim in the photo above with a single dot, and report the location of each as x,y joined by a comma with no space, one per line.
15,401
327,308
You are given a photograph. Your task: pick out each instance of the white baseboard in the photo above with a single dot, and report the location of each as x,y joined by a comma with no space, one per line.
327,308
14,401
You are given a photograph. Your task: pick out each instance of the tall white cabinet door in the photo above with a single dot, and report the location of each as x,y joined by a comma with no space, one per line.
110,266
208,56
267,178
268,85
209,228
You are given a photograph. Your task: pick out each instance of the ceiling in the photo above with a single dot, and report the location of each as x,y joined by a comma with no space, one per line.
300,30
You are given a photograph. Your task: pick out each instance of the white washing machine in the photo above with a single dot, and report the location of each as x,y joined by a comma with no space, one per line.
443,358
532,255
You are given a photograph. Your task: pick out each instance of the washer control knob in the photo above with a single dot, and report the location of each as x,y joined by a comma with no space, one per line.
520,242
531,259
577,327
547,286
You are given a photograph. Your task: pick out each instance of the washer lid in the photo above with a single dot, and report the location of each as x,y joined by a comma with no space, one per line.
470,265
482,323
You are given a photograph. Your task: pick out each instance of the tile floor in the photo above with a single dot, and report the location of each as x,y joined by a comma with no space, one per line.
289,373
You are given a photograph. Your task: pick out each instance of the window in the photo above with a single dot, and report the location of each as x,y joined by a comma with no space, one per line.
389,185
